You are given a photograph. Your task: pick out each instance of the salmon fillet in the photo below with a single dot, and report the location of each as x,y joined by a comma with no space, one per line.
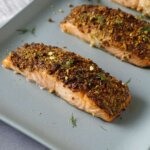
139,5
77,80
119,33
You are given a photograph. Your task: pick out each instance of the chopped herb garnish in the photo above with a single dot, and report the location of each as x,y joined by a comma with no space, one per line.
118,21
25,30
33,30
22,31
73,120
147,28
127,82
145,38
69,62
100,19
101,76
103,128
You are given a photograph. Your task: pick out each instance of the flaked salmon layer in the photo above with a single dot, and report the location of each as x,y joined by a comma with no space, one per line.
139,5
119,33
77,80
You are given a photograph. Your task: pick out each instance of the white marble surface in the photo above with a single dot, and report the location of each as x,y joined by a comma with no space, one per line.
8,8
10,138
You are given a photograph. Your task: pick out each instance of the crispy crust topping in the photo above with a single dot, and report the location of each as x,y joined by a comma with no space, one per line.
114,28
77,73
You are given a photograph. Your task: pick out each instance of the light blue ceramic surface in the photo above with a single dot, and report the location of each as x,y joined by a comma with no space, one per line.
46,117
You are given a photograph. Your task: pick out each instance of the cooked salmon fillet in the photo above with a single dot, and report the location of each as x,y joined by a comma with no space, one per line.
139,5
119,33
77,80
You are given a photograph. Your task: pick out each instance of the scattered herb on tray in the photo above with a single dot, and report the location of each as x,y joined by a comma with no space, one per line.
33,30
26,30
103,128
73,120
127,82
22,31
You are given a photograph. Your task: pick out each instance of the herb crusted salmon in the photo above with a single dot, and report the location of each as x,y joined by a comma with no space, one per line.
119,33
77,80
139,5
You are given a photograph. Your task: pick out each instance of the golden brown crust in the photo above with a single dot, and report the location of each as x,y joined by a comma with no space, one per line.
119,33
104,93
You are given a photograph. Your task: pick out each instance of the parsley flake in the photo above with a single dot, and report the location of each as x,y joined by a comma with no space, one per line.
146,28
101,76
100,19
118,21
69,62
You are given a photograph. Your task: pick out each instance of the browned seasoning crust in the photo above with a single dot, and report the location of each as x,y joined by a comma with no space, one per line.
119,33
76,73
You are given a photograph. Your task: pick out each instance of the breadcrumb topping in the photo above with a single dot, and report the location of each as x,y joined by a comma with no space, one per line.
113,28
77,73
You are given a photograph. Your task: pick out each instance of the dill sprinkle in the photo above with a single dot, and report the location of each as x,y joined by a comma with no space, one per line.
103,128
127,82
25,30
73,120
22,31
33,30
